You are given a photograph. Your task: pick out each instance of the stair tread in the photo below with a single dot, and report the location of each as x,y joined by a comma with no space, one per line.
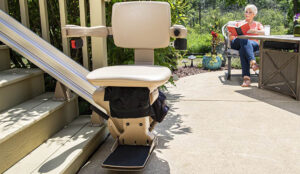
11,76
22,116
61,150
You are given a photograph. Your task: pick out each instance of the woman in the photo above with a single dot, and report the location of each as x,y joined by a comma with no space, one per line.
248,47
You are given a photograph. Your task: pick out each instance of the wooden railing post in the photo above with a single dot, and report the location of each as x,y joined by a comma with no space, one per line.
63,21
4,5
99,47
44,19
24,13
83,23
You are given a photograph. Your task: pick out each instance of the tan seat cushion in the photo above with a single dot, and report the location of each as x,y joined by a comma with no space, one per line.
150,76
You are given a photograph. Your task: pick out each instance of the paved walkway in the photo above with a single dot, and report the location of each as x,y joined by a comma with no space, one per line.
215,126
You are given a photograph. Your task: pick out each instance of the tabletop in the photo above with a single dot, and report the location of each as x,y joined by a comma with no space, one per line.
282,38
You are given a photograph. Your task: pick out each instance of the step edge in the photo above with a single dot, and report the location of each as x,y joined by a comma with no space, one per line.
82,118
102,131
101,137
44,115
19,79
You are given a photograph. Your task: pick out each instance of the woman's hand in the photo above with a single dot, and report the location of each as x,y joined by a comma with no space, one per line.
230,36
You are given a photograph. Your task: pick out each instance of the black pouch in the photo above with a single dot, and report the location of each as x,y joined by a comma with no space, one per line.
128,102
159,107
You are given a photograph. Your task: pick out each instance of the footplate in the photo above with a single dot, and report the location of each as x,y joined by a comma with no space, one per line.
129,157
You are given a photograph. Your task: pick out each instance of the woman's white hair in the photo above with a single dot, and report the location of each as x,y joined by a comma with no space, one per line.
252,7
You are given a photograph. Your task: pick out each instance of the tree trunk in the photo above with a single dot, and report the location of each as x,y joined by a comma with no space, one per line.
296,6
199,5
214,4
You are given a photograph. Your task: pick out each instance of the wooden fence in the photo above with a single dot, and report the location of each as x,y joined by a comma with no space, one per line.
97,17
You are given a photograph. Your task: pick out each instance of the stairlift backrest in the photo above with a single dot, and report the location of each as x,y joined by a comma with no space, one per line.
141,24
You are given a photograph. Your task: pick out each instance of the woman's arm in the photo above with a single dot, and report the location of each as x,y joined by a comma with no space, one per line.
255,31
258,30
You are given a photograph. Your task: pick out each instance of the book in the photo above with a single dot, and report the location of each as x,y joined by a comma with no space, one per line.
241,30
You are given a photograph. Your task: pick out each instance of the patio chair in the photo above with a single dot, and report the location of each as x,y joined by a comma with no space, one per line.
229,52
130,91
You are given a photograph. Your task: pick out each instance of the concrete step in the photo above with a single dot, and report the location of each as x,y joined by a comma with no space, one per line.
19,85
4,57
65,152
26,126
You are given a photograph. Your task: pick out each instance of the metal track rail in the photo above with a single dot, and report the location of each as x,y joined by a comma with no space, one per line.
46,57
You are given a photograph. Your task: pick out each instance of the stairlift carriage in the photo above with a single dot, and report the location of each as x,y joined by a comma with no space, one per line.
131,90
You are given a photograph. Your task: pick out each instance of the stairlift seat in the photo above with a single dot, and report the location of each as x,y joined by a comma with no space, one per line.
150,76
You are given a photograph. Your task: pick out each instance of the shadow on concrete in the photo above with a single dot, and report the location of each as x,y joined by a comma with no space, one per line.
236,79
278,100
172,125
273,98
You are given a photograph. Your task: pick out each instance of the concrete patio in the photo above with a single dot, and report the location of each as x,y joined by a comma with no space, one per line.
215,126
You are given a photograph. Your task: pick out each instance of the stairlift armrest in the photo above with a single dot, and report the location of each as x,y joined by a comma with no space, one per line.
78,31
178,31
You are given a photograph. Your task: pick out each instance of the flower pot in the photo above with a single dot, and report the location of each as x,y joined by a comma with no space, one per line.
297,30
209,63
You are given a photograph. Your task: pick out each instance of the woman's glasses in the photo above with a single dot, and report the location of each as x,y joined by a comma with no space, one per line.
248,12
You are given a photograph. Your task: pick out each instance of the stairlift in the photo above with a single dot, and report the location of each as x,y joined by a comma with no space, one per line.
129,91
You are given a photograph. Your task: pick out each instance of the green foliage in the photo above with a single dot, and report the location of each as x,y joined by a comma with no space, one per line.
236,63
214,58
54,25
200,65
198,43
239,2
274,18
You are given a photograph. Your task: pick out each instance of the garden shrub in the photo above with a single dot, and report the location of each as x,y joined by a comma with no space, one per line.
198,43
274,18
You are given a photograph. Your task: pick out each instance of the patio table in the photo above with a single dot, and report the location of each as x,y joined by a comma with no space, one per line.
279,63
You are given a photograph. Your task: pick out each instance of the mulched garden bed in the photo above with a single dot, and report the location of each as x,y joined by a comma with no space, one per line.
188,71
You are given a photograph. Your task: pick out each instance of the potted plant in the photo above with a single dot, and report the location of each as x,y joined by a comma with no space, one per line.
297,25
213,60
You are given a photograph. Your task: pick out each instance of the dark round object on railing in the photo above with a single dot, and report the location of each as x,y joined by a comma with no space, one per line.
180,44
176,32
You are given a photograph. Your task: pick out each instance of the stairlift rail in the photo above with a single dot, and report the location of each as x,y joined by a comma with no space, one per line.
47,57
